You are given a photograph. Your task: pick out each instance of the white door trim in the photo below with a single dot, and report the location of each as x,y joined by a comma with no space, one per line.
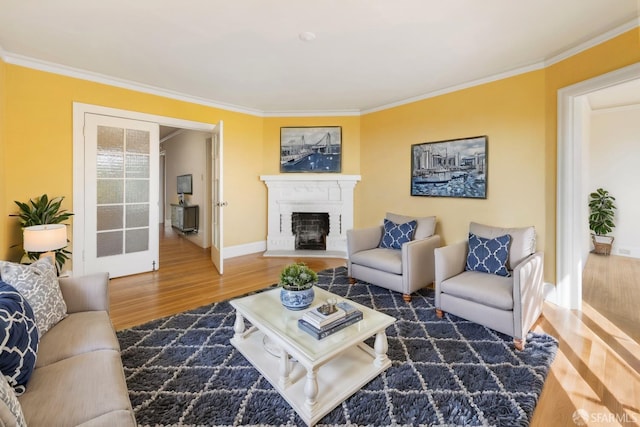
79,111
570,216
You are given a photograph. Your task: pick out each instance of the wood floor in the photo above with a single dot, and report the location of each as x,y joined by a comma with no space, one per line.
596,370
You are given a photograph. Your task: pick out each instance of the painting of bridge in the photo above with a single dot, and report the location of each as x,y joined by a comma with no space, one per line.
311,149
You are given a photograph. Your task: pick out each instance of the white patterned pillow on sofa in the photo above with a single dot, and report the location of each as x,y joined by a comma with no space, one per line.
38,283
10,409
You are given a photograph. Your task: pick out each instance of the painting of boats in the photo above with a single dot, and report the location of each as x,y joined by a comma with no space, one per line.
310,149
452,168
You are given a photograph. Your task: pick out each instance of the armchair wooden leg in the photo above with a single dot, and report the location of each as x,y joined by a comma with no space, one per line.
406,297
352,281
439,313
519,343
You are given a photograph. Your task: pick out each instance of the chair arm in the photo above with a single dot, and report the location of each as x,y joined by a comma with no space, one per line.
418,267
362,239
86,293
528,293
450,261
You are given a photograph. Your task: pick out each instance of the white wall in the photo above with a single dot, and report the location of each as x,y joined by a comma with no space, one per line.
185,153
614,164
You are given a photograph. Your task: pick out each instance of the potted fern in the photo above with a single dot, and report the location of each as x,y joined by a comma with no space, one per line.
42,211
601,220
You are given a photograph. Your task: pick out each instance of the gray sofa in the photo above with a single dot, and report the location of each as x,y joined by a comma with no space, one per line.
78,379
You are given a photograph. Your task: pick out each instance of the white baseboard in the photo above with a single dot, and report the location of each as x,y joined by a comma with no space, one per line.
245,249
628,251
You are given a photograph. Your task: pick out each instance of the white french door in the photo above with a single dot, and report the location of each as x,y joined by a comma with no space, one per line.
217,202
121,178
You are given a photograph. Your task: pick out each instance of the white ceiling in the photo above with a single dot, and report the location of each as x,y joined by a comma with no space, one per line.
247,54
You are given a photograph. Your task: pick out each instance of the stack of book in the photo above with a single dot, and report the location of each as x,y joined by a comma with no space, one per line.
320,325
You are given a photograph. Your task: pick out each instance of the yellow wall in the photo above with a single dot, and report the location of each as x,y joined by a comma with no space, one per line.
39,158
350,140
4,226
510,112
518,114
611,55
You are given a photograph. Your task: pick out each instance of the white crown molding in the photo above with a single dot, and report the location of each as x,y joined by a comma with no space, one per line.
54,68
313,113
37,64
634,23
466,85
77,73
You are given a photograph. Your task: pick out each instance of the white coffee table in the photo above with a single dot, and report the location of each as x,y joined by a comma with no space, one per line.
325,372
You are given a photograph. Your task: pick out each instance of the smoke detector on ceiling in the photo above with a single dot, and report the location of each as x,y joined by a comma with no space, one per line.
307,36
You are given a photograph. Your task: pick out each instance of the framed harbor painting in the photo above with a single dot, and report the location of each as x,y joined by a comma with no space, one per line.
311,149
452,168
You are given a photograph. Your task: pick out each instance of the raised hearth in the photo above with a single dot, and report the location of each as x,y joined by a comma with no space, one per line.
309,193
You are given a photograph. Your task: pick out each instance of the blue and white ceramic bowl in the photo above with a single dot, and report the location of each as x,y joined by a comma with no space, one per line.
297,300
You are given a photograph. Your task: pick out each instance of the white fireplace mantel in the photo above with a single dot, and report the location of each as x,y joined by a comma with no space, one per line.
325,193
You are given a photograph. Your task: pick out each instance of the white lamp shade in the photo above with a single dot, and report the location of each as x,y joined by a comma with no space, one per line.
44,238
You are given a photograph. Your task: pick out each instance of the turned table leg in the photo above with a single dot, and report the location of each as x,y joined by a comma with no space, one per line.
381,346
311,388
238,326
285,368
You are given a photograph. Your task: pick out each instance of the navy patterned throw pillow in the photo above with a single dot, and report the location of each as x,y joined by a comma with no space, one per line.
489,255
18,338
397,234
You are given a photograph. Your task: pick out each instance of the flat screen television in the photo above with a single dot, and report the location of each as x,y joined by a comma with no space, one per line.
185,184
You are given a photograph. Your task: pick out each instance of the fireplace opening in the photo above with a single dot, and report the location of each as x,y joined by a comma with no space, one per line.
310,230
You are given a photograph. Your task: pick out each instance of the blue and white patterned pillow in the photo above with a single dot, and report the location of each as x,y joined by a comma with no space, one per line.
18,338
489,255
38,283
397,234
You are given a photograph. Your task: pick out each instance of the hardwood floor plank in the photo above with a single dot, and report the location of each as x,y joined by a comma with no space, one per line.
596,368
187,279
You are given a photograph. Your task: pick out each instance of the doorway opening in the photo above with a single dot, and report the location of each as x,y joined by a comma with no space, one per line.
80,111
571,207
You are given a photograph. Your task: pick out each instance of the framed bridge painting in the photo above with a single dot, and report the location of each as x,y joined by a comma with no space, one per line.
452,168
311,149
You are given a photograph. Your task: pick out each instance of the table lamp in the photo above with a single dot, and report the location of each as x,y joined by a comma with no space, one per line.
45,239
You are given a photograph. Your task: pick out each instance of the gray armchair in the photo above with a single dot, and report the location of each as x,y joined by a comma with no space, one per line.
402,270
510,305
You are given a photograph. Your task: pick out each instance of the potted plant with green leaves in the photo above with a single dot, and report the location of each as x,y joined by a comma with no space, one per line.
601,220
297,282
43,211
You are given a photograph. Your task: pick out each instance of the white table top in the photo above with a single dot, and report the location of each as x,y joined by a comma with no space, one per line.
265,311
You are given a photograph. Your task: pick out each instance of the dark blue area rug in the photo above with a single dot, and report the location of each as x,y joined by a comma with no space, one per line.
182,370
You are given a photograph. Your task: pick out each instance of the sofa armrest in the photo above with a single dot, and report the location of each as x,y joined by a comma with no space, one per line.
528,293
363,239
86,293
418,266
